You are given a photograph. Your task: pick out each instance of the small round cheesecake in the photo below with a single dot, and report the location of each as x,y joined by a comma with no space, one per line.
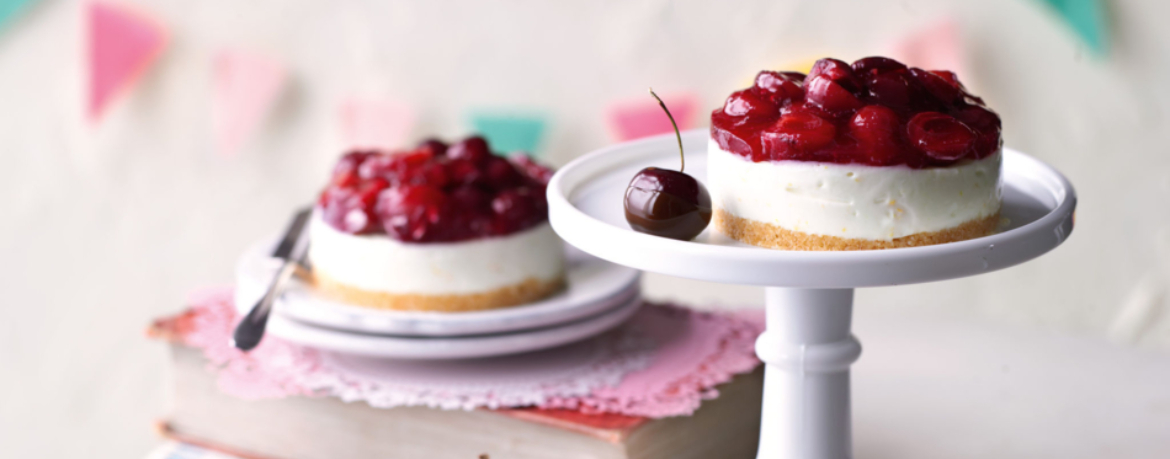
873,155
484,273
438,228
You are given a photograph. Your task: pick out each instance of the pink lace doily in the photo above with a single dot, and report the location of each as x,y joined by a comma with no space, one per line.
661,363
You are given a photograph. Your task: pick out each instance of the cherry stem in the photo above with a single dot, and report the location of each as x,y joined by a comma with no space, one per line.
681,158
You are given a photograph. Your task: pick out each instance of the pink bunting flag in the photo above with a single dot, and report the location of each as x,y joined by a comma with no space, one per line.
380,124
122,45
246,85
643,117
938,46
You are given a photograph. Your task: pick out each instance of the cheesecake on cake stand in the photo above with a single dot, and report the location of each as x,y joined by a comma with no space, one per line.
862,175
807,347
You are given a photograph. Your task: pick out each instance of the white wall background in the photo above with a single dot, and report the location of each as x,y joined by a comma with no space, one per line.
104,229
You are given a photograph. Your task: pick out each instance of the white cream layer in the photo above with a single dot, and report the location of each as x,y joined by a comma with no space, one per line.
853,200
381,264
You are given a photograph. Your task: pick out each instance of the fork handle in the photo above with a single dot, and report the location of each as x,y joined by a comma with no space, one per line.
250,330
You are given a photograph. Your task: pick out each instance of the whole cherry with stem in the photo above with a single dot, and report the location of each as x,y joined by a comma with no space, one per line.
668,203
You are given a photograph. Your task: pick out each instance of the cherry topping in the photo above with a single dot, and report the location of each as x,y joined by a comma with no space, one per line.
748,103
434,193
858,113
668,203
940,136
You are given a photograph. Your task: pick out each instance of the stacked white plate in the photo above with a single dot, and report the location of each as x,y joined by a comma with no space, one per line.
599,296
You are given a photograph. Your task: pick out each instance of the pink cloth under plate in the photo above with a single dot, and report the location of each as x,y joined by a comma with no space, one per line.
661,363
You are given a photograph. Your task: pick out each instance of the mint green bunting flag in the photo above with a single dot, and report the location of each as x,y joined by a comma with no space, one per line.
509,131
10,8
1088,19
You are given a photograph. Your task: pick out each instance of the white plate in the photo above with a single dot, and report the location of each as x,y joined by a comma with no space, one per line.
594,285
466,347
585,210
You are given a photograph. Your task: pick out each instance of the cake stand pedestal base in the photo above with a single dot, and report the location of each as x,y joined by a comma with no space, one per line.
807,349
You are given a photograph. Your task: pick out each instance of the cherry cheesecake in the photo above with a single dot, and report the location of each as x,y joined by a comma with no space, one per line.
868,155
437,228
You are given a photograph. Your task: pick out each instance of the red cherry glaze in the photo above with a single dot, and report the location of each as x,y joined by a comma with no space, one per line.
519,208
836,71
876,129
876,111
798,133
412,212
867,67
535,172
474,149
940,136
435,193
750,104
944,91
831,96
780,87
897,89
345,173
986,124
435,146
502,175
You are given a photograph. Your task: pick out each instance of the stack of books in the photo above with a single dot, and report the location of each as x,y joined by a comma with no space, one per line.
216,424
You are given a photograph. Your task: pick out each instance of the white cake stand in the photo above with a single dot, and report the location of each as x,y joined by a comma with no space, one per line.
807,347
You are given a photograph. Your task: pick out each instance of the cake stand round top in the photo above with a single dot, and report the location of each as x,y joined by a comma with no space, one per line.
585,208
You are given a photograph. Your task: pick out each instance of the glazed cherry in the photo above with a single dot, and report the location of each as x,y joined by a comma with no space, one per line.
352,209
501,174
474,149
780,87
986,124
345,173
412,212
940,136
867,67
945,91
667,203
875,128
897,89
798,132
858,113
519,208
535,172
835,71
435,147
830,95
748,103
